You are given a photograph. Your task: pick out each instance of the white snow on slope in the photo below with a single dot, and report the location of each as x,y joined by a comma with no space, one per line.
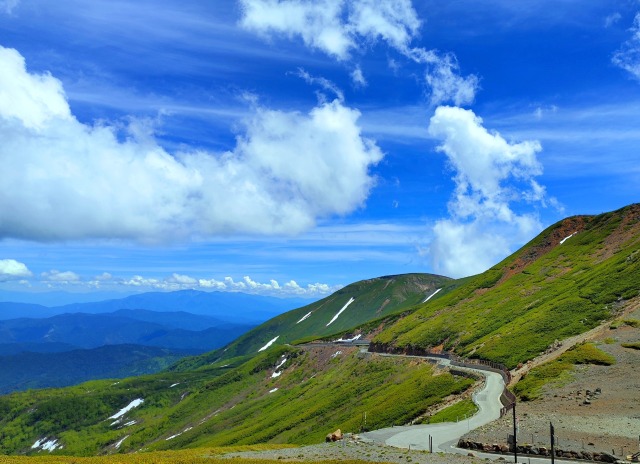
178,434
431,296
47,445
349,340
134,404
304,317
567,238
336,354
281,363
271,342
274,390
174,385
119,442
276,374
351,300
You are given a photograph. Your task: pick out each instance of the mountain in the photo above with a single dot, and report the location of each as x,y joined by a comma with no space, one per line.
122,327
572,277
228,306
27,370
232,307
354,305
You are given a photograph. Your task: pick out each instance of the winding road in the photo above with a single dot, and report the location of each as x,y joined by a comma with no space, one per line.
445,435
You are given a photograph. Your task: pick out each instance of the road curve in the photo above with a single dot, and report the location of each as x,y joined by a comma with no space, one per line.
446,434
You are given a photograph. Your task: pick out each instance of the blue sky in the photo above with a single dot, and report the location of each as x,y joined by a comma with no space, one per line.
290,147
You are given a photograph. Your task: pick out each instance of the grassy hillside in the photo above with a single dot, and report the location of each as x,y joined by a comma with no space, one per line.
25,370
361,302
284,395
567,280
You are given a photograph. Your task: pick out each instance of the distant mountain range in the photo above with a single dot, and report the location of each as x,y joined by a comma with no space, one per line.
228,306
44,346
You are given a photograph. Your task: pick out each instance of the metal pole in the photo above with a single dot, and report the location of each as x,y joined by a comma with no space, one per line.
515,436
553,453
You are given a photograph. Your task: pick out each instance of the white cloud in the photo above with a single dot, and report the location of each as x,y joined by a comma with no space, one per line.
491,174
357,77
75,181
335,27
339,27
228,284
628,56
55,276
324,83
447,85
10,269
317,23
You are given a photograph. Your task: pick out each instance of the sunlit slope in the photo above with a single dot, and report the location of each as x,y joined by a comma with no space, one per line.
567,280
282,395
354,305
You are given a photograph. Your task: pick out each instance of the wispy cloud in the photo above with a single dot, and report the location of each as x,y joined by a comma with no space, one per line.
628,56
342,28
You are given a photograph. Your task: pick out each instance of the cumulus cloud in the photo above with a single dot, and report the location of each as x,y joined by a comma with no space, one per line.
228,284
64,277
491,175
10,269
335,27
628,56
62,179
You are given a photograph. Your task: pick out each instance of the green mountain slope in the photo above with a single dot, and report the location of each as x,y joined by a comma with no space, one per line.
283,395
567,280
354,305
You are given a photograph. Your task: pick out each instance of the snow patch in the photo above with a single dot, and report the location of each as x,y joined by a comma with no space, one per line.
567,238
336,354
130,423
281,364
174,385
47,445
119,442
348,340
276,374
134,404
173,436
271,342
273,390
304,317
431,296
351,300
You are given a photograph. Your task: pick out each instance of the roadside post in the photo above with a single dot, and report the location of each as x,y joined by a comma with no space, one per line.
553,439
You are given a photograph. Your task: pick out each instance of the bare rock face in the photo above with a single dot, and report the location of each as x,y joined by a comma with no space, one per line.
335,436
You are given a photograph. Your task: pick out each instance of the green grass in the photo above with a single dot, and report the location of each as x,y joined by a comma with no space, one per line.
560,291
222,407
633,346
635,323
458,411
559,371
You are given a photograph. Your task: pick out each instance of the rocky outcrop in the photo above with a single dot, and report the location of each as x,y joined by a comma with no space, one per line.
335,436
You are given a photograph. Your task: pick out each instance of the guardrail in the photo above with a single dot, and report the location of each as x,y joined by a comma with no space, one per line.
508,399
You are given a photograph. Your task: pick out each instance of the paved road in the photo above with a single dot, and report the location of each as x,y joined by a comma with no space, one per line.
446,433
